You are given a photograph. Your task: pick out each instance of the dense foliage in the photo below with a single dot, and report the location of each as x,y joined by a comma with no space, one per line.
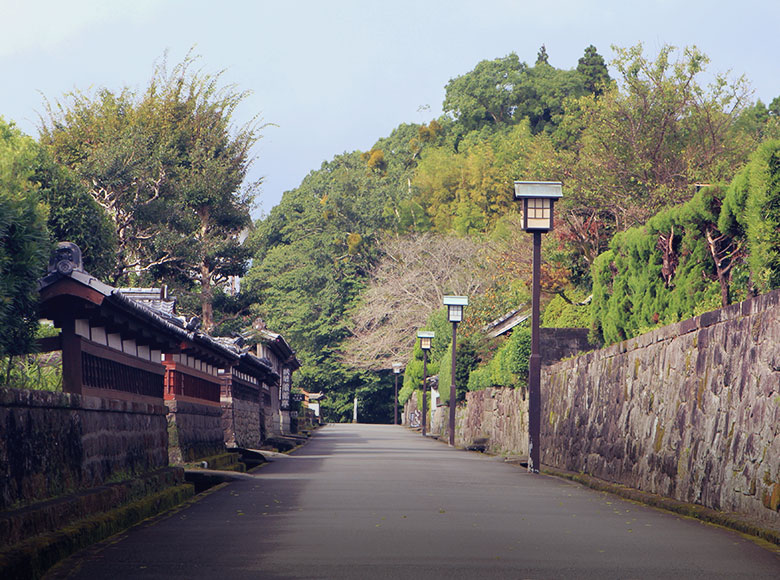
356,259
24,243
751,211
509,366
169,170
325,274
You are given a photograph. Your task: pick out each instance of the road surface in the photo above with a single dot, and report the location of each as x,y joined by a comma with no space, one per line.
373,502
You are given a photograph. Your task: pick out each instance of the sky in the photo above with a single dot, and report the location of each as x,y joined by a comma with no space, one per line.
330,76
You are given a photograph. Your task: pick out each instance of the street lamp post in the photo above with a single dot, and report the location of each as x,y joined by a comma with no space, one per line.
454,306
538,198
396,371
425,337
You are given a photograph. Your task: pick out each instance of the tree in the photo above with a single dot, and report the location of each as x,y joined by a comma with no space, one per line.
407,285
74,216
643,143
593,70
541,56
469,190
120,160
312,256
505,91
489,93
24,242
169,169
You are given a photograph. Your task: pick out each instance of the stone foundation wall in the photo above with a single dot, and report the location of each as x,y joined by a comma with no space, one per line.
559,343
690,411
194,431
57,443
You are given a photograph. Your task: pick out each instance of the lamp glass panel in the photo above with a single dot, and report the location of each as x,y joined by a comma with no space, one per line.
539,210
455,313
425,343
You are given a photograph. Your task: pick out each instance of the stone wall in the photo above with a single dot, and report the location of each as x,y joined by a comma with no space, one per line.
241,417
690,411
54,443
194,431
559,343
495,418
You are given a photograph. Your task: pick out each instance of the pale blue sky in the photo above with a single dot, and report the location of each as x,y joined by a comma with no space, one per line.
336,75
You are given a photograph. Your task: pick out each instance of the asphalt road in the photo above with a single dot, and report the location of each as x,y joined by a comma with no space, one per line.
372,502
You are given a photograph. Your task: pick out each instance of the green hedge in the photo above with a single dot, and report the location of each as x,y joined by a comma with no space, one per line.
635,290
509,366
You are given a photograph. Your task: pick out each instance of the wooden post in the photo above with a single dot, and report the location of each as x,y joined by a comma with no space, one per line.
72,373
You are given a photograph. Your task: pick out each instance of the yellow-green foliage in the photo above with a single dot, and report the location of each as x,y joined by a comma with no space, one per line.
561,314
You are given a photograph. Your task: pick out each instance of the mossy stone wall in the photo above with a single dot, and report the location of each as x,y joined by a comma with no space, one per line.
52,444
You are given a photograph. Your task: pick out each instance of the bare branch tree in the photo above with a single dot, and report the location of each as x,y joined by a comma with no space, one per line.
407,286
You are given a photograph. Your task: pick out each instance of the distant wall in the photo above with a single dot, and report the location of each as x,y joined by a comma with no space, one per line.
56,443
496,417
241,416
690,411
194,431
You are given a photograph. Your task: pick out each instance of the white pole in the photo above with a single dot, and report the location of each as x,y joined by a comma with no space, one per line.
354,410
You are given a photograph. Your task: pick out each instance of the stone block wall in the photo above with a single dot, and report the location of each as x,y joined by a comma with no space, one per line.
496,417
241,420
690,411
559,343
194,431
57,443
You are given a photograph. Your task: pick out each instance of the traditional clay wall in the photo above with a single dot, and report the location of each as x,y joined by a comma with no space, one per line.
55,443
194,431
690,411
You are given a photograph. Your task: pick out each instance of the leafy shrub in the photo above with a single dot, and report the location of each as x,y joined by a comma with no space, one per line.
24,243
561,314
509,366
751,209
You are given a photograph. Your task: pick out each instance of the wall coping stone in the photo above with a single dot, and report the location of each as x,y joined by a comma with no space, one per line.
10,397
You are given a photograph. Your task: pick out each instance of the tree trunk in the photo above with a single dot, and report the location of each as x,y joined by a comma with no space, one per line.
206,299
206,291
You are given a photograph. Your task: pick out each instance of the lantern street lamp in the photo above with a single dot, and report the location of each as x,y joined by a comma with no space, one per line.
454,306
396,371
425,337
538,198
